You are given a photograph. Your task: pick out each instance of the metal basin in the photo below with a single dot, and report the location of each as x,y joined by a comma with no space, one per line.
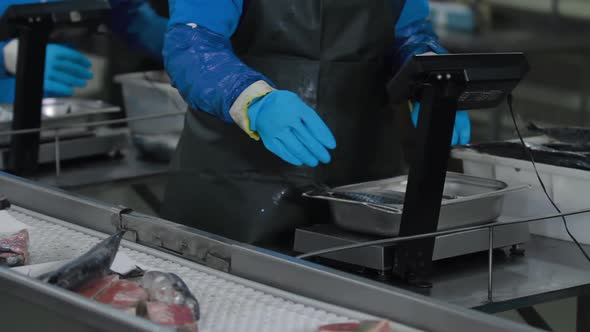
468,201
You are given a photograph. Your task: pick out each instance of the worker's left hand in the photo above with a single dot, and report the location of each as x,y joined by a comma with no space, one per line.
291,130
461,131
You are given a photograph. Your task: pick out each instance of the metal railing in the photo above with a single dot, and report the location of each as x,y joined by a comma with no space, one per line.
490,226
390,241
57,128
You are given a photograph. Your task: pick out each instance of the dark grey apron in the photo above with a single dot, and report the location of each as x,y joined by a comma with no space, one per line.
333,53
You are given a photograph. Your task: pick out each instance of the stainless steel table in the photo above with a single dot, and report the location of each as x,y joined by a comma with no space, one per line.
102,170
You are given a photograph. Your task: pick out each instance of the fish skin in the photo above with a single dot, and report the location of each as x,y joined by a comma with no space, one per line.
94,264
363,326
7,251
573,135
176,316
157,283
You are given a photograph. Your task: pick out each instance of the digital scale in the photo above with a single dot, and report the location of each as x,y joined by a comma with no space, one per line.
443,84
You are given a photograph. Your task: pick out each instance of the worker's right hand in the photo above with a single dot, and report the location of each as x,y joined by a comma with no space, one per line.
290,129
65,69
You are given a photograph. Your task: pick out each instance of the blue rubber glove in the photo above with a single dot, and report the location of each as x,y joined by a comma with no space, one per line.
138,23
65,69
462,130
290,129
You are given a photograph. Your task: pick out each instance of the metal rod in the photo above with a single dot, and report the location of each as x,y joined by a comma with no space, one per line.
57,154
394,240
491,265
92,124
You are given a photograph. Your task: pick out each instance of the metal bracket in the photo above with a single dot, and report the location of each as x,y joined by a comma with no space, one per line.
117,220
439,97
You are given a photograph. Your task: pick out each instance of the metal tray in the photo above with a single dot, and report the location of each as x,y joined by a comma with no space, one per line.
59,112
62,111
467,201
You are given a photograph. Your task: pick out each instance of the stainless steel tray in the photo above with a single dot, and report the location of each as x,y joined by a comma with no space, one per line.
468,201
58,111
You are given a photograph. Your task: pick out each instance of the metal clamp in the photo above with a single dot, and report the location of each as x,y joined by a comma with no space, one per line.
117,220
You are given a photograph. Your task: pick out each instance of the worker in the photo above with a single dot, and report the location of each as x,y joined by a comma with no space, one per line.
66,68
285,95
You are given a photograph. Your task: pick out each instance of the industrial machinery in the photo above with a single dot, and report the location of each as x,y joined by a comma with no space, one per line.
443,84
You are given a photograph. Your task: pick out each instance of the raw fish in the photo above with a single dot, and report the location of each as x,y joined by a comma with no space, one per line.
179,317
14,249
169,288
95,287
123,295
94,264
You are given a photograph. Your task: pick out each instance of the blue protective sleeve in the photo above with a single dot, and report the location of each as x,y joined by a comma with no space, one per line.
414,33
204,69
414,10
220,16
137,22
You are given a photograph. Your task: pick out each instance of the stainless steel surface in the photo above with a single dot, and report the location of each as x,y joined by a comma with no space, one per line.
380,299
148,93
57,155
478,201
91,124
85,146
59,109
493,224
158,147
57,112
491,266
550,270
35,306
380,257
258,265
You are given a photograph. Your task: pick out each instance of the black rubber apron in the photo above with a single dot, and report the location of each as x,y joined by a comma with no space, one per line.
333,53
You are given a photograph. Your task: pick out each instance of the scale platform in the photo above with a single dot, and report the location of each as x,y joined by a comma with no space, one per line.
380,257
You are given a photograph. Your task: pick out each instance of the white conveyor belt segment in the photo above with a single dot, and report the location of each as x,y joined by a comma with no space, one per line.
228,303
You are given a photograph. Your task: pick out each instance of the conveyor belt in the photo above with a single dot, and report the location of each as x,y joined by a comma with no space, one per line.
228,303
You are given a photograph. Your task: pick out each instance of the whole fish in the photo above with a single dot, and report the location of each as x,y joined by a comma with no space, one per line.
94,264
170,289
573,135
